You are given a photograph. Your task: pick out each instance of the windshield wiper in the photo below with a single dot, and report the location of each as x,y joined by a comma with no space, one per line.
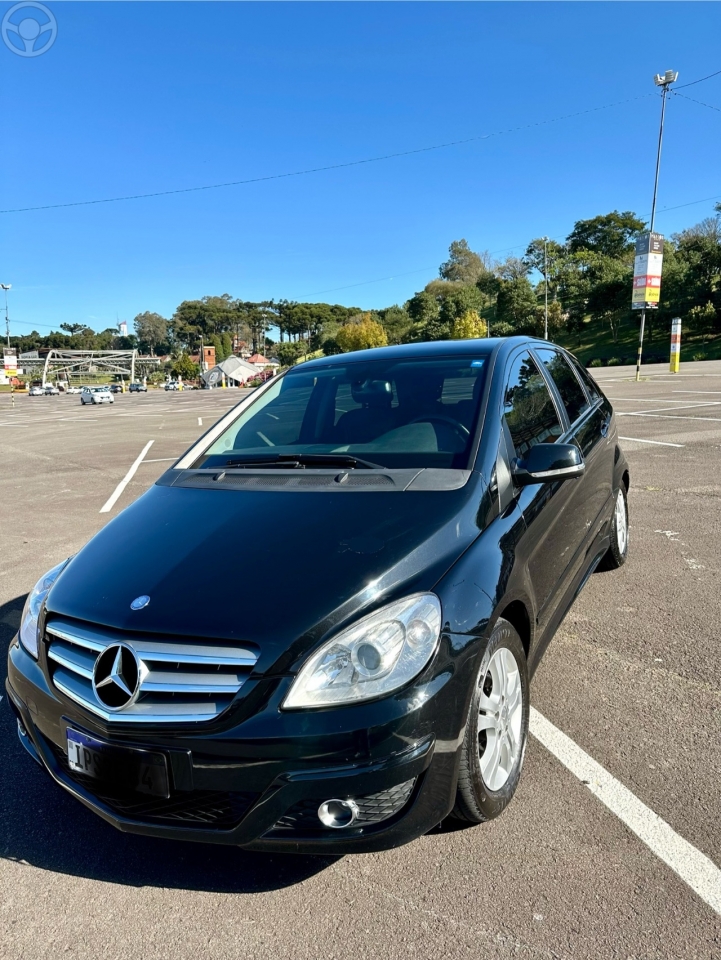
303,460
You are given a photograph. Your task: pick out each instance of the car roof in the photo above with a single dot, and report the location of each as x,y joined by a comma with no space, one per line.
426,350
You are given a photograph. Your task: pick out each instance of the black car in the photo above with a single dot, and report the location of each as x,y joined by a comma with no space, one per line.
316,631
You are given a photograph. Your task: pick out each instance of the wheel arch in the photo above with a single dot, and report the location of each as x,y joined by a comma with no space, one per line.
517,615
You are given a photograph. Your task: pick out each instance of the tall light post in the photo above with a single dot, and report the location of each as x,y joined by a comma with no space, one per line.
6,287
545,286
665,81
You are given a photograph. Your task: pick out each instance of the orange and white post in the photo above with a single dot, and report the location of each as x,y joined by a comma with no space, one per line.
675,344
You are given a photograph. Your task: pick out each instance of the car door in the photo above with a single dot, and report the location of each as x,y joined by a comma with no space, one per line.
589,421
531,415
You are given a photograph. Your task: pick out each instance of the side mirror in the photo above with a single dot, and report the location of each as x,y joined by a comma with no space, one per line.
546,462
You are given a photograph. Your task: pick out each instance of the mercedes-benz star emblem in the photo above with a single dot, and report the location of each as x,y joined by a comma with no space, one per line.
116,676
140,602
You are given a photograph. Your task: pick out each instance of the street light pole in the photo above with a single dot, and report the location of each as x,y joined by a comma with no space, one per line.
6,287
664,82
545,285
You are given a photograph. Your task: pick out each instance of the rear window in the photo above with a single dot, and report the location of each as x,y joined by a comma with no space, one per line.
394,413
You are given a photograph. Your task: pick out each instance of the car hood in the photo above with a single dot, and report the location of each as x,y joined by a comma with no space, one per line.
278,569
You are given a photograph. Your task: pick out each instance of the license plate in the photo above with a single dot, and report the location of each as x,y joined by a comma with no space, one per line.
120,767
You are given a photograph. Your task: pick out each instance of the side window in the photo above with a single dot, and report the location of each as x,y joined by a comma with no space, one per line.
572,393
528,407
587,380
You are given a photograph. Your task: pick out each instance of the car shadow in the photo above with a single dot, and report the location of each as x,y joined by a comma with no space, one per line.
42,826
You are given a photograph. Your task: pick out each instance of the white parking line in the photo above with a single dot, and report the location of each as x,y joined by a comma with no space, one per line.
663,400
108,506
668,416
200,421
660,443
696,391
686,406
692,866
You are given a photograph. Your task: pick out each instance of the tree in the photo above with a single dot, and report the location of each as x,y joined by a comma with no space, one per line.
424,311
546,256
74,328
463,264
516,304
184,367
469,326
513,268
701,320
458,302
151,330
361,333
289,353
396,322
611,235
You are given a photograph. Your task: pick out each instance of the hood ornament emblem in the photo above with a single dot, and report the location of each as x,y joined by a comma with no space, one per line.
116,676
140,602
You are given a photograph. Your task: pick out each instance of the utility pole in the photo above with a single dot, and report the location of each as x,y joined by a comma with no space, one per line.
6,287
664,82
545,285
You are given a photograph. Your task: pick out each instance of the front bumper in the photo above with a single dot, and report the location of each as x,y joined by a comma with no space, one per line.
401,767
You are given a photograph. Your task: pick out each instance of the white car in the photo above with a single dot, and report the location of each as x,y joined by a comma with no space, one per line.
36,392
74,390
96,395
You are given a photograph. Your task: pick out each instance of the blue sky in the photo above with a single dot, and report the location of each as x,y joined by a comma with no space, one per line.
141,97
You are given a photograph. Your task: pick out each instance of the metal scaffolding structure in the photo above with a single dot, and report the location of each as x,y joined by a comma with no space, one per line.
82,364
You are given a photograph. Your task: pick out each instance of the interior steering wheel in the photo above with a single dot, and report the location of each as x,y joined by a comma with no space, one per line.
462,431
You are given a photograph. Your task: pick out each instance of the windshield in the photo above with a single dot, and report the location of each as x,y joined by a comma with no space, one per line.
380,413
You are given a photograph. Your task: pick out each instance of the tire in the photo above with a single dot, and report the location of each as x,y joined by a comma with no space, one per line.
617,553
485,790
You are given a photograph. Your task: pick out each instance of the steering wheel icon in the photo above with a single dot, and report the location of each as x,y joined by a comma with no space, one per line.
29,30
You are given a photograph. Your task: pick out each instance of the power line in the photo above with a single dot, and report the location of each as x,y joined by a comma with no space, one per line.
700,102
409,273
333,166
700,80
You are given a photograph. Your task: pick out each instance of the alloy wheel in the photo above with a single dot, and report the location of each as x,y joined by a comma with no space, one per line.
621,517
500,715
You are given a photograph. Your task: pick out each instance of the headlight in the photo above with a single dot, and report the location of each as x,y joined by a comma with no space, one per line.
380,653
28,632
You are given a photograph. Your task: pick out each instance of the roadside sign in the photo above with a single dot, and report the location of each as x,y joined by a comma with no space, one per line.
10,362
675,344
647,268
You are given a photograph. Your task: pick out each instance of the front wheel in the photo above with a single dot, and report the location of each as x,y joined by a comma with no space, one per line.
495,741
617,552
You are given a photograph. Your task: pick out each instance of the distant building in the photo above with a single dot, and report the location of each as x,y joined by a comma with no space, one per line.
207,360
261,363
241,348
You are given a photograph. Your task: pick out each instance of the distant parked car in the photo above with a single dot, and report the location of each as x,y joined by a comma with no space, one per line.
51,391
74,389
96,395
172,385
138,387
116,388
36,392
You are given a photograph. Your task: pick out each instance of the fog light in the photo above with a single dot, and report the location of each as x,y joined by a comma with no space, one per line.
337,813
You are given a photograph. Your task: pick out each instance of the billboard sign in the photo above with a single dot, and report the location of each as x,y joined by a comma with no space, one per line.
647,268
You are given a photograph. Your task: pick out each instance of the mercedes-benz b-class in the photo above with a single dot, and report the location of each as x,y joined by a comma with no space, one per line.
315,631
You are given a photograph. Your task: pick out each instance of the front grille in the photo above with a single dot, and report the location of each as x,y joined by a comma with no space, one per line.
373,808
179,680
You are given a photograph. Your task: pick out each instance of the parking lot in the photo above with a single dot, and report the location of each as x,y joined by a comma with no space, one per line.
632,678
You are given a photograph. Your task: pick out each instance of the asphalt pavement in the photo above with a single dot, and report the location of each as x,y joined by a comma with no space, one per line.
631,678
